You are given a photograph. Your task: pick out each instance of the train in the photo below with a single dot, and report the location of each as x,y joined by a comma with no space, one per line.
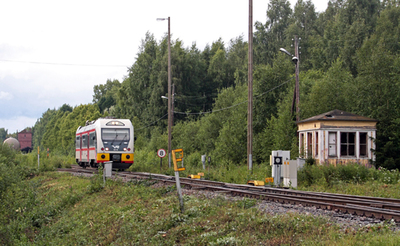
105,140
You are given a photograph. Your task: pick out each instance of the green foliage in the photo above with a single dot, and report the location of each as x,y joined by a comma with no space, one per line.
96,182
330,175
105,95
59,135
3,134
333,91
40,127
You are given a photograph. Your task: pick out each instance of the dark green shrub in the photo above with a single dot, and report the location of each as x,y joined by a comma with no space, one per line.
352,172
310,161
305,175
330,174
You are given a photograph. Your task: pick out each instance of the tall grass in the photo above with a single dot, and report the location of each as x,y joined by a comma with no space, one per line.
350,179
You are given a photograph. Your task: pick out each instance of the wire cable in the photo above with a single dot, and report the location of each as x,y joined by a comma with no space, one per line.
152,123
217,109
213,111
63,64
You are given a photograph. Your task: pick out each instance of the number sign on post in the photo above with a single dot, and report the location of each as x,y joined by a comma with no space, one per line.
161,153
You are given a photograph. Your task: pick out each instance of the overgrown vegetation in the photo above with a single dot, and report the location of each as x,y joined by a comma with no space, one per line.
350,179
49,208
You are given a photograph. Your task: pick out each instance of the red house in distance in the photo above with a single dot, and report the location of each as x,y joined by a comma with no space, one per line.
25,140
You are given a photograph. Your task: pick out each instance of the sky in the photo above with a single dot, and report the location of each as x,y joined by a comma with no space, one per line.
54,52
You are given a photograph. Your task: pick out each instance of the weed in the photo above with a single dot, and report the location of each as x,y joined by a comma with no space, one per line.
246,203
96,182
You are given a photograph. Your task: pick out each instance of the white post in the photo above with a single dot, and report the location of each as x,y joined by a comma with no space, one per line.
178,187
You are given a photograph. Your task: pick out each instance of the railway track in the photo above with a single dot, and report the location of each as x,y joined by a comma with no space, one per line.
373,207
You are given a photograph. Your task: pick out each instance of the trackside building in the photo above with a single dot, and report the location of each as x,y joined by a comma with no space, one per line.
337,137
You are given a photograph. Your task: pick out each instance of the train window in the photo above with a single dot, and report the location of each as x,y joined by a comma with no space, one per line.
84,141
92,139
113,134
78,142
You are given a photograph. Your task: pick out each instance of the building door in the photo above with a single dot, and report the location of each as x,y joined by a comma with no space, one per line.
332,144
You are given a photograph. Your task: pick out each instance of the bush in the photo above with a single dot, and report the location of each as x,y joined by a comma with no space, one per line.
385,176
350,173
353,172
309,174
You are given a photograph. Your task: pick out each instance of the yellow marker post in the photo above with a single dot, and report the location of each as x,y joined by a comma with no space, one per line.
177,155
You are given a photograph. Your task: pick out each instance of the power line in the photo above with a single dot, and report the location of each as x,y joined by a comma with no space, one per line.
217,109
63,64
152,123
237,103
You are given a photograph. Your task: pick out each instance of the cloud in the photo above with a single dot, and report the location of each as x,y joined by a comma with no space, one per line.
18,123
5,95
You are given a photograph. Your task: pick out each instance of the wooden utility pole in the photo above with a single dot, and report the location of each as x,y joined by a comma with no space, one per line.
250,92
169,95
297,87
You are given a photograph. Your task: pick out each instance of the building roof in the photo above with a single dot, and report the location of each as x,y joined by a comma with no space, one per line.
26,130
337,115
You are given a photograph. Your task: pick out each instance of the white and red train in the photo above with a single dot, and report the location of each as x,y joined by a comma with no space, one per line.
105,140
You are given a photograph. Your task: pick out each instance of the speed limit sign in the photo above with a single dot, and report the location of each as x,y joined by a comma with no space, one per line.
161,153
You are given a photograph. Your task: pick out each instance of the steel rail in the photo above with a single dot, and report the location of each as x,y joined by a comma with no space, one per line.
376,207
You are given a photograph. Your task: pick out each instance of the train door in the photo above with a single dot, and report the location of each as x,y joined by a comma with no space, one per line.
78,148
85,148
92,146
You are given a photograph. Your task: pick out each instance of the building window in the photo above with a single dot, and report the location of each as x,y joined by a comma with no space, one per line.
316,144
347,144
309,144
302,154
363,144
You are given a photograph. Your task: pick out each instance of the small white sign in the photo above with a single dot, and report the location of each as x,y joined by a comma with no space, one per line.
161,153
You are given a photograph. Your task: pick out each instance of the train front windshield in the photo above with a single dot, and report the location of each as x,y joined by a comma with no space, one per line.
112,134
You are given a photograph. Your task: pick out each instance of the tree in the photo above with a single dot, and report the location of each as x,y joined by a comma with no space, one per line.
3,135
270,36
270,83
105,95
333,91
378,85
304,26
40,127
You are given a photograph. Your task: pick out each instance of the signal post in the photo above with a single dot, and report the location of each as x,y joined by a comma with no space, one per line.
177,156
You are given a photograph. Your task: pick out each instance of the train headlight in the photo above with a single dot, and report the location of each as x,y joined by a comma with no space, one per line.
102,149
125,149
129,149
107,149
